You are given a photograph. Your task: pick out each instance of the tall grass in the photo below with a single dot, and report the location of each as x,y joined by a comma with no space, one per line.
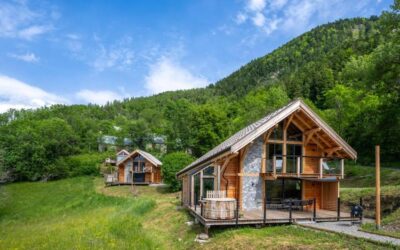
69,214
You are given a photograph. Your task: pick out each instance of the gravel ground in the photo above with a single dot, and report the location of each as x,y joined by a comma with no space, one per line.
348,228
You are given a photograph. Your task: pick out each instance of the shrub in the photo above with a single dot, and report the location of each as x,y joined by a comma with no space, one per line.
85,164
172,163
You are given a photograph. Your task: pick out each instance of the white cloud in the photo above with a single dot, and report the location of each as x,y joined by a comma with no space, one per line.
297,16
241,18
27,57
119,55
33,31
166,75
259,19
17,20
256,5
100,97
16,94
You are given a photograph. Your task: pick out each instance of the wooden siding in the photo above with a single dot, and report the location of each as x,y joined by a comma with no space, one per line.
312,190
121,173
311,165
329,195
185,190
230,174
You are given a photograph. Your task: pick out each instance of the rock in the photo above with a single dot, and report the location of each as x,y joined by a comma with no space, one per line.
189,223
202,236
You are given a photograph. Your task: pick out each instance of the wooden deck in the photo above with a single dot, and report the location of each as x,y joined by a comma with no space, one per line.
273,216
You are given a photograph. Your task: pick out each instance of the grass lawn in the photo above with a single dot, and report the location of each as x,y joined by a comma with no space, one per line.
79,213
390,225
360,182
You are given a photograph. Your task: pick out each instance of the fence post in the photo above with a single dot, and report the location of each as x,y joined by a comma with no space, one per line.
315,209
290,210
361,205
338,208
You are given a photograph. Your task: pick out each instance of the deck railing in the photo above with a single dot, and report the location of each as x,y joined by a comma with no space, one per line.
324,166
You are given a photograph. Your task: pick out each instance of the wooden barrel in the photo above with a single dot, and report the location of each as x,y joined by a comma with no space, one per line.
219,208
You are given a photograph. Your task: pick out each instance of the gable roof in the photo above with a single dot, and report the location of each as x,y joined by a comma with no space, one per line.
151,158
123,151
248,134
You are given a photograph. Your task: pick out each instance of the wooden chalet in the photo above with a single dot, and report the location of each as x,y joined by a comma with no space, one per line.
139,167
283,168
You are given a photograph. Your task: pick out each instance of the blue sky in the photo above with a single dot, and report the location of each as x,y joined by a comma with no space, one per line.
97,51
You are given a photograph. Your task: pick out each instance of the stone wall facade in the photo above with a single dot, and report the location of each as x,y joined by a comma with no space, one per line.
252,185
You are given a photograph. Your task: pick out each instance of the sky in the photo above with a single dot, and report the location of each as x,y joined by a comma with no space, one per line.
78,52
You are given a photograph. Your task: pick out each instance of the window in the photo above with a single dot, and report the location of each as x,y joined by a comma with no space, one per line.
209,171
139,164
293,133
277,134
208,180
208,185
274,150
293,152
281,189
196,197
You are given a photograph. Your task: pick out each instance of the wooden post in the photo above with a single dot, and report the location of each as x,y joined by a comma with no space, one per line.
342,168
265,206
321,160
338,208
290,210
219,177
274,165
298,166
378,187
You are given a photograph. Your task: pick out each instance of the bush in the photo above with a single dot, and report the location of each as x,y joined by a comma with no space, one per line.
172,163
85,164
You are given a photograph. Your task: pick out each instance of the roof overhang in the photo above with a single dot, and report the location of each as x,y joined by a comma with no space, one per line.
142,153
278,117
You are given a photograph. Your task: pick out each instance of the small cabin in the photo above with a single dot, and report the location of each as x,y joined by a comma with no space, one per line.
122,154
285,167
139,167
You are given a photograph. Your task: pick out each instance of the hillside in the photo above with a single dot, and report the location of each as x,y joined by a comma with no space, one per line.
347,71
79,213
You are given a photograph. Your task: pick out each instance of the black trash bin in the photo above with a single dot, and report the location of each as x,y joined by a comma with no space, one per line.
356,211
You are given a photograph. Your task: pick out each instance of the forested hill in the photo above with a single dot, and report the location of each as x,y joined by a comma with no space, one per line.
348,71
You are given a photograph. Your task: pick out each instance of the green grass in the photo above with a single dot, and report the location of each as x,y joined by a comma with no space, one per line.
390,225
364,176
80,213
360,182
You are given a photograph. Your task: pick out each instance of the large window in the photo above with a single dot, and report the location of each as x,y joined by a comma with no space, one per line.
293,154
196,192
276,146
281,189
293,133
274,149
208,180
139,164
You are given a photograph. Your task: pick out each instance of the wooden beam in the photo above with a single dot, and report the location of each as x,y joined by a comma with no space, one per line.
312,131
288,121
320,167
342,168
330,151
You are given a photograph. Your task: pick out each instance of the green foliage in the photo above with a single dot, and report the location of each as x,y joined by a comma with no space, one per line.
84,164
172,163
348,72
